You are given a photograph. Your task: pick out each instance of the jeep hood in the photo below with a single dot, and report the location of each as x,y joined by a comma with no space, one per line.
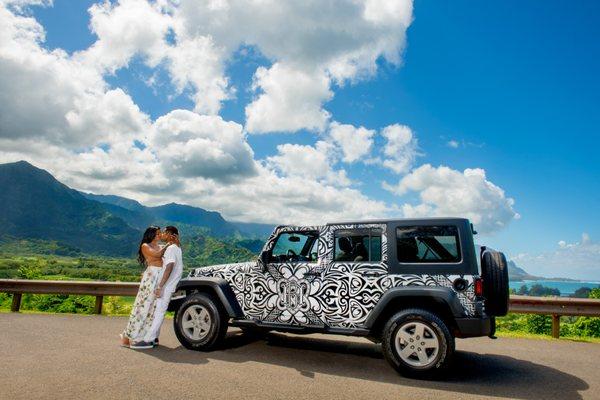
222,269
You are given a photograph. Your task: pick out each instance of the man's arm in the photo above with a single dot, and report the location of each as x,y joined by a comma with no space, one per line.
165,278
170,260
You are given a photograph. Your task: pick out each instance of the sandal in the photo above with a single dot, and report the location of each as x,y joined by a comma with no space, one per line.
122,338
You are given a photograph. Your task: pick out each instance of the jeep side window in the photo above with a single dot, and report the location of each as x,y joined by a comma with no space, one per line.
428,244
295,247
358,245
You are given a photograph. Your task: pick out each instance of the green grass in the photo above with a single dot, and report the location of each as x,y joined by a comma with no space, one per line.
526,335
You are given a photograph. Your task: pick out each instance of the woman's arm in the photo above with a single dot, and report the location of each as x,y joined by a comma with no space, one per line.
150,252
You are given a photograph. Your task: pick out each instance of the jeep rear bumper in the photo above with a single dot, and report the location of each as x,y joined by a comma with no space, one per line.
472,327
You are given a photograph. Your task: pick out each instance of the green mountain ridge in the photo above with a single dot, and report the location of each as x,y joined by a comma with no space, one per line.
37,206
42,215
213,222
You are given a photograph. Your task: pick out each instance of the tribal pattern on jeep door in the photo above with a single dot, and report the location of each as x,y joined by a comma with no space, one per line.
336,294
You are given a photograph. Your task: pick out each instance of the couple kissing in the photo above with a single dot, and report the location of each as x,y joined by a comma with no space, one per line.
164,266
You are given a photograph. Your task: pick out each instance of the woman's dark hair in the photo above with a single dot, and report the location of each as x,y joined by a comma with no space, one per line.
149,236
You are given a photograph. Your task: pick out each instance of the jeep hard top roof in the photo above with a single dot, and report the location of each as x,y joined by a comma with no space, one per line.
416,221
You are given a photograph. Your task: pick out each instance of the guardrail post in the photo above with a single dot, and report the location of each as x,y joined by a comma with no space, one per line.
555,326
16,302
98,307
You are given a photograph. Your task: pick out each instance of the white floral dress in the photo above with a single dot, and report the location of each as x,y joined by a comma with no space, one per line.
142,313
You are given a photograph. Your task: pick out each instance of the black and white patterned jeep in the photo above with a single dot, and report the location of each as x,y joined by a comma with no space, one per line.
413,285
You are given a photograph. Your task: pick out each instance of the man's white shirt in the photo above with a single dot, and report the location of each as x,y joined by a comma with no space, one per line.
173,255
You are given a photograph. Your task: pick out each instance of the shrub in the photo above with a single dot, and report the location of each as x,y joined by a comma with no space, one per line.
540,324
32,271
115,305
60,303
586,326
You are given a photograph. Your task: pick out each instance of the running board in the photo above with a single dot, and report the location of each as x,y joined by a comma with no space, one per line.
300,329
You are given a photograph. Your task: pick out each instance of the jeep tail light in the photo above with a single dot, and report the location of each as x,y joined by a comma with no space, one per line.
478,283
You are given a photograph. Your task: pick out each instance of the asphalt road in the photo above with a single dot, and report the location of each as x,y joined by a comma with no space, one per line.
78,357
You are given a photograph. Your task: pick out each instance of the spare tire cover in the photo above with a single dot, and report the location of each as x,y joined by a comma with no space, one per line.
494,271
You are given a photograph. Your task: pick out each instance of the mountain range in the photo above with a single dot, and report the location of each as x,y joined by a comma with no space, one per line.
140,216
37,206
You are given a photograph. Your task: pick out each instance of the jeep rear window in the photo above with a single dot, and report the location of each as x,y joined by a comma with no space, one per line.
358,245
428,244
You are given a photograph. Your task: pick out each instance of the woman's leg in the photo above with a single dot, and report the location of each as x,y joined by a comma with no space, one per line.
142,313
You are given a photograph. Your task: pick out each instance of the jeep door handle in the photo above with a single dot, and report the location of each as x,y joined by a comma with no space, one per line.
373,274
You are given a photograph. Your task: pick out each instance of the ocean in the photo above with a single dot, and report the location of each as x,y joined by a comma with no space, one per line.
566,288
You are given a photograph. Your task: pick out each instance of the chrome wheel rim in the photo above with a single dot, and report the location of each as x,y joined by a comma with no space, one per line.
417,344
195,322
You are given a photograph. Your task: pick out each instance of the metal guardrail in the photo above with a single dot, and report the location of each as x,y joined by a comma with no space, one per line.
93,288
554,306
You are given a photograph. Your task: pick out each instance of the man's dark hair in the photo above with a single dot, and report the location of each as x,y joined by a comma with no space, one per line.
172,230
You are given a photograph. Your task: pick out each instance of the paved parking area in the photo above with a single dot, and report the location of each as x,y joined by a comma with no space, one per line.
78,357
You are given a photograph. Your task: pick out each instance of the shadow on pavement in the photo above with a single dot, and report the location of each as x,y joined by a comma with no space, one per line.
472,373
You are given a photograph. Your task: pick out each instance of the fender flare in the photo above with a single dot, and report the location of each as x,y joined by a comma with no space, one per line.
442,295
220,287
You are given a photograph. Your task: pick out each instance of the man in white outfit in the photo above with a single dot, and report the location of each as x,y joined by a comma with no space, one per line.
172,270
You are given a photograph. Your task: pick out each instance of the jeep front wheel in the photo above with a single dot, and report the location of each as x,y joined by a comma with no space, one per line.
199,323
417,343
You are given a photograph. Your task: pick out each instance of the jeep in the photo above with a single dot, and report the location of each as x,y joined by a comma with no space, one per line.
412,284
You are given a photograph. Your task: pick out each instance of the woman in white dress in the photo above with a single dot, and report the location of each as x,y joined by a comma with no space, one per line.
150,255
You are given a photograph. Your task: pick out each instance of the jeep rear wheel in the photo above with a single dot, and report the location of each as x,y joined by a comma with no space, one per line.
417,343
199,323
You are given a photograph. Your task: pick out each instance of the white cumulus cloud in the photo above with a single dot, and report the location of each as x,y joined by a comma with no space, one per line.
312,162
290,100
400,150
305,40
51,96
446,192
355,143
193,145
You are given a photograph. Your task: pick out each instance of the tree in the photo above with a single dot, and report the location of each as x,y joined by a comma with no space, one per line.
582,293
539,290
523,290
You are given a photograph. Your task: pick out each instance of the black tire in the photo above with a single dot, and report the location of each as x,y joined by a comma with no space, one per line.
217,323
439,360
494,271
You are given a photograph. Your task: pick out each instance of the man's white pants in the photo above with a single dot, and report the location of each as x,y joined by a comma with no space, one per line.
162,303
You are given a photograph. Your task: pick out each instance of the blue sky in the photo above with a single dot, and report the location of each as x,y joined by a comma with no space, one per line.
514,86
